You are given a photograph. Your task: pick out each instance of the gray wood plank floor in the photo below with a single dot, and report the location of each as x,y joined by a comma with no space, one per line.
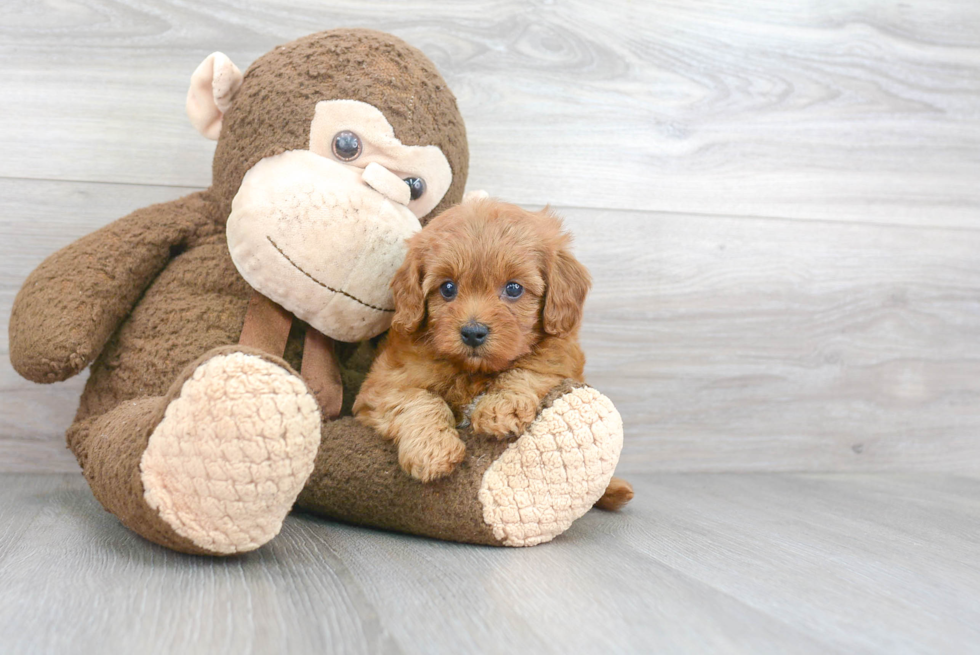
710,563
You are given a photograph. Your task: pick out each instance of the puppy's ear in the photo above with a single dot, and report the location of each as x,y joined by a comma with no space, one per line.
406,287
567,282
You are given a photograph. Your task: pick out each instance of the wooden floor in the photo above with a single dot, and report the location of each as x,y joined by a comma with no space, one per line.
706,563
779,201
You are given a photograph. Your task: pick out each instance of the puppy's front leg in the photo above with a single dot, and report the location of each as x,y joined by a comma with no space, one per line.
512,402
422,426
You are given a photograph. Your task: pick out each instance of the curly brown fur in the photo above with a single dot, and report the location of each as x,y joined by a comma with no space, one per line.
426,375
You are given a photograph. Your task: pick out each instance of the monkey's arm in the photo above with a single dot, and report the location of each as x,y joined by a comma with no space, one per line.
72,303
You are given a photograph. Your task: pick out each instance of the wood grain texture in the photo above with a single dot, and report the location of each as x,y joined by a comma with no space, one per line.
743,563
779,202
839,110
727,343
102,589
757,344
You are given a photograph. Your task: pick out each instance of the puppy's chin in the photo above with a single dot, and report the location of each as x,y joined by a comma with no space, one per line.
481,360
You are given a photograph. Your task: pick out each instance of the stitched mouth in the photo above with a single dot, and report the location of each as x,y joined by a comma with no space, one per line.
326,286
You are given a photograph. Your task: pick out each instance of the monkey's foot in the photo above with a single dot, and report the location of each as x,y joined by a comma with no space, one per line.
233,451
518,493
555,472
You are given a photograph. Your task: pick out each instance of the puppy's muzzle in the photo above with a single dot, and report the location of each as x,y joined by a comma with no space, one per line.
474,334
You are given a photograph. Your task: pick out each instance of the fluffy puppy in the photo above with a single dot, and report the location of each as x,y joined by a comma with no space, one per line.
487,310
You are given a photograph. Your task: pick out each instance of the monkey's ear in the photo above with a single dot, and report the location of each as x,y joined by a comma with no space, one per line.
568,282
213,87
406,287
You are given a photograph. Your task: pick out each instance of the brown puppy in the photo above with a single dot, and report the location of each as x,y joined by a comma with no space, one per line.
487,310
487,307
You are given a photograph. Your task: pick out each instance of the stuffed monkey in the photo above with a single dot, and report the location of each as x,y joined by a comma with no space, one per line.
228,331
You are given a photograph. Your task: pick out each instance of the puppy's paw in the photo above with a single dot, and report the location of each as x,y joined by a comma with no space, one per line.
432,456
504,414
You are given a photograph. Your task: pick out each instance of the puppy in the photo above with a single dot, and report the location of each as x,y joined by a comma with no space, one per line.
487,310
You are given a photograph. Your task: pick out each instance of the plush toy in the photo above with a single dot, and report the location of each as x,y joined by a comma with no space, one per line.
228,331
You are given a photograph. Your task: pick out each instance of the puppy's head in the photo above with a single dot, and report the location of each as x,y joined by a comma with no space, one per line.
485,281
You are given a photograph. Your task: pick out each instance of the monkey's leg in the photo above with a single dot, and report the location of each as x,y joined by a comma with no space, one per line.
520,493
213,466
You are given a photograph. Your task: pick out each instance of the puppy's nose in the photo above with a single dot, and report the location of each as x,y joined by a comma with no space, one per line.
474,334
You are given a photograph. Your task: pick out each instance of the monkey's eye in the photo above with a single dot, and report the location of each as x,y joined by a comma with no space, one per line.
513,290
416,185
448,289
346,146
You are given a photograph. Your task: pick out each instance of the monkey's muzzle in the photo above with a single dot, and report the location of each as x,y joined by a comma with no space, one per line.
322,239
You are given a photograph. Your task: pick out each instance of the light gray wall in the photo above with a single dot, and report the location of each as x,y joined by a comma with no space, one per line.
779,200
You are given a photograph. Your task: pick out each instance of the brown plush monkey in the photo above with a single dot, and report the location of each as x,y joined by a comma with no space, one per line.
195,427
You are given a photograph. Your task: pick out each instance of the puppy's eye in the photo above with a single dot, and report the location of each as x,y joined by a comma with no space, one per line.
448,289
416,186
513,290
346,146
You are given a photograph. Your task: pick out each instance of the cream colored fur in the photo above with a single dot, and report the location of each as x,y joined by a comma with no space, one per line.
214,85
308,234
232,453
386,183
322,237
555,472
381,147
